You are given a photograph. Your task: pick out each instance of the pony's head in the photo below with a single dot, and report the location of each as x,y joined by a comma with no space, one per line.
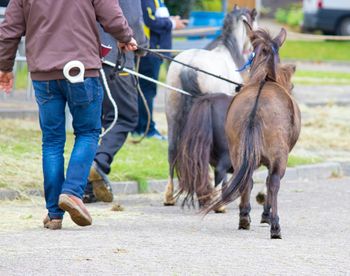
284,76
266,49
234,25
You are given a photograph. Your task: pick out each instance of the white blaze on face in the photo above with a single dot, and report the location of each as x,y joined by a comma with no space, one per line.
244,42
241,34
255,25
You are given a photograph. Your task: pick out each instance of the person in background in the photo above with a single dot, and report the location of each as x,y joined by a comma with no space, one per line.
158,28
50,44
123,88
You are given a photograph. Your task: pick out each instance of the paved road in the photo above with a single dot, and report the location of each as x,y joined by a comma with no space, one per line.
149,239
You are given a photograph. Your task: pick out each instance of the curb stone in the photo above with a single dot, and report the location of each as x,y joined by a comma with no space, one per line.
305,172
345,168
125,187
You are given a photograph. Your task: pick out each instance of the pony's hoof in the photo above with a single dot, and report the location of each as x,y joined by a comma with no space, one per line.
276,233
169,202
220,210
265,219
276,236
261,198
244,223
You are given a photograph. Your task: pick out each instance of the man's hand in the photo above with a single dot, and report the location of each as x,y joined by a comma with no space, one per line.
179,23
6,81
130,46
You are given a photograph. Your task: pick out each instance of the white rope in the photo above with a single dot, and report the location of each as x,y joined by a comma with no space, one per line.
141,76
174,51
105,84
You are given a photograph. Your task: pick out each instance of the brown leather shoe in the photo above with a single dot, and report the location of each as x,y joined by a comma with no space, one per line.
101,185
76,209
102,191
52,224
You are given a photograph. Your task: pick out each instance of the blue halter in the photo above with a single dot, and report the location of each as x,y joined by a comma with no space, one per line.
274,50
248,63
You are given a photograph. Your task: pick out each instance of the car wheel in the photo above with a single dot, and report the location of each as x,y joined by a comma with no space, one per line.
344,27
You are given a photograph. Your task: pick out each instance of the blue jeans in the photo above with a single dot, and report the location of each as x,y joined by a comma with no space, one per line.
85,104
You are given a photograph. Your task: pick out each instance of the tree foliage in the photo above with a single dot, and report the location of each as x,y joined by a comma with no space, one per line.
181,8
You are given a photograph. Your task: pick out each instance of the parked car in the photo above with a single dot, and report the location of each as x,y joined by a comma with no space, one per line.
4,3
328,16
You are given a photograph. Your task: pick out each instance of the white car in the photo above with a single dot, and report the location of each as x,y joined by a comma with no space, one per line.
328,16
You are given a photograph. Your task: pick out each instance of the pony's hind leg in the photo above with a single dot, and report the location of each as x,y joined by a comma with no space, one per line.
220,177
244,207
205,195
265,216
169,199
273,188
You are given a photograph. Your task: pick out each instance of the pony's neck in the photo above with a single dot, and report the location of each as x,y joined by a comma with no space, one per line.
229,45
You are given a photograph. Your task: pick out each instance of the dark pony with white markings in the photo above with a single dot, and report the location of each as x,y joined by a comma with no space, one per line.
204,142
223,57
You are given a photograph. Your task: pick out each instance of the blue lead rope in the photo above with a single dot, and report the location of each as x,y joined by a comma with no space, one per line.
248,63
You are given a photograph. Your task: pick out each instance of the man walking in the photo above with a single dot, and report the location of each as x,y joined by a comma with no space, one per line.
58,32
124,92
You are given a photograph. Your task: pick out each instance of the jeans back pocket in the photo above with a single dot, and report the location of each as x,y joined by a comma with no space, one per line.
83,93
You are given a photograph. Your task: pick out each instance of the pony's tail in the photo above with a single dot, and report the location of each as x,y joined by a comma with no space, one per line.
192,165
249,153
189,83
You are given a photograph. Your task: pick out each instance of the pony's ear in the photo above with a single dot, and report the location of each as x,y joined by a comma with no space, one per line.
248,28
235,7
253,14
281,37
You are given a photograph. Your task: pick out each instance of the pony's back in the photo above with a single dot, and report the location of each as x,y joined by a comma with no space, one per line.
274,115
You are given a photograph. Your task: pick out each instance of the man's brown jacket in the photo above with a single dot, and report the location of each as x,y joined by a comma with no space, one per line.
58,31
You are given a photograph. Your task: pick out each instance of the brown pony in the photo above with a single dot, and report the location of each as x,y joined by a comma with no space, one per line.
262,126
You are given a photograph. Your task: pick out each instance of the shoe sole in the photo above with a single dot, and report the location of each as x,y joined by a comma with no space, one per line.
76,213
101,192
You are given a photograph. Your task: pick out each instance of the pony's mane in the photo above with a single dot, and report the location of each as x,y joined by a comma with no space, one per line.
264,66
227,37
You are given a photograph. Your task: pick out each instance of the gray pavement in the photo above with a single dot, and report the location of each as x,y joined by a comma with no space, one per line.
319,95
329,66
311,95
149,239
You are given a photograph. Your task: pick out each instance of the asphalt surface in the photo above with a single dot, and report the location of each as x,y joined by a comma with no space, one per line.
150,239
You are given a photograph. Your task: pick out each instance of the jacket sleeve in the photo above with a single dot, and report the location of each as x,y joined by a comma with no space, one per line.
110,16
157,25
11,31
